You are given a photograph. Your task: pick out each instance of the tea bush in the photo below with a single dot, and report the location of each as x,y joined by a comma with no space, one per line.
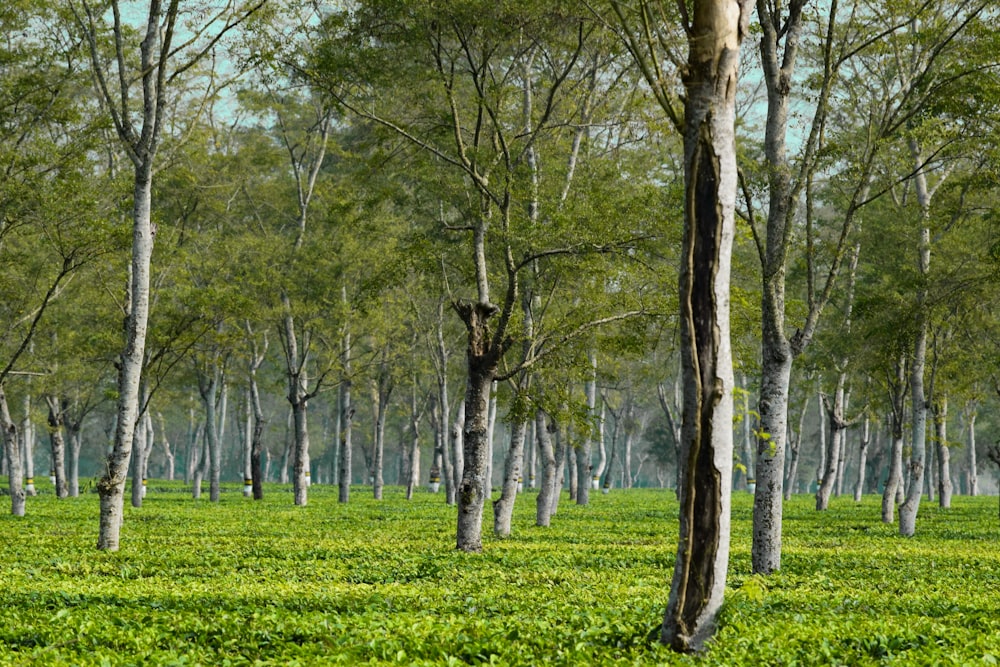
258,583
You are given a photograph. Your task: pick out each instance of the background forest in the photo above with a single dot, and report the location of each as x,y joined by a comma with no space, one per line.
334,191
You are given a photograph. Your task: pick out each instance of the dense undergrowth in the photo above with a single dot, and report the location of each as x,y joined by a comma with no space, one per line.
243,582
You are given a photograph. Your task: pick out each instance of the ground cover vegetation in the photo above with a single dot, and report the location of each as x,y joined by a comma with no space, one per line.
480,248
244,582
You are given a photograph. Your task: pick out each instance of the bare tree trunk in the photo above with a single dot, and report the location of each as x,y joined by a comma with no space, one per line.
918,446
413,472
15,473
859,487
346,419
944,454
835,412
894,481
57,420
457,441
561,446
794,448
75,437
28,446
503,507
549,488
970,417
710,178
474,416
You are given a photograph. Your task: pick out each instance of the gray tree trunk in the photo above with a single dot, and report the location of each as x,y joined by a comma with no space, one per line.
918,446
584,467
945,488
859,487
894,481
57,440
15,471
28,445
549,488
710,178
794,448
972,472
503,507
75,437
346,419
838,426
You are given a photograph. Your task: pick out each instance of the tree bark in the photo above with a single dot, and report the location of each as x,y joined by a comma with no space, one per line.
859,487
57,440
483,355
918,445
706,462
973,474
15,472
945,488
838,426
549,487
346,419
503,507
894,481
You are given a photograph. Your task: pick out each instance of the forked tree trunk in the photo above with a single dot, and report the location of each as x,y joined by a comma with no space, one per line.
944,454
549,487
838,428
710,178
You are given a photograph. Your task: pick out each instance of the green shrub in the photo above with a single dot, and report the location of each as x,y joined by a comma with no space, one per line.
254,583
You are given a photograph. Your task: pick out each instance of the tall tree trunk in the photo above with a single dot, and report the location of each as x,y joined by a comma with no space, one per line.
561,447
57,440
838,426
490,433
381,391
859,487
138,457
503,507
209,382
28,446
457,440
75,437
970,418
346,419
894,481
584,468
944,454
15,472
794,448
747,457
710,178
246,438
413,471
918,445
549,487
474,413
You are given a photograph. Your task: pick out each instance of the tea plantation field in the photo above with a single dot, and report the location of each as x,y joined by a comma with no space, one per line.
267,583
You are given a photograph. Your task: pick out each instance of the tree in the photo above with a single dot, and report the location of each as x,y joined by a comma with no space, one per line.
160,62
715,33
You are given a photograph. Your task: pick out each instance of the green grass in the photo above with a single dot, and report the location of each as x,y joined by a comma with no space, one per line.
243,583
